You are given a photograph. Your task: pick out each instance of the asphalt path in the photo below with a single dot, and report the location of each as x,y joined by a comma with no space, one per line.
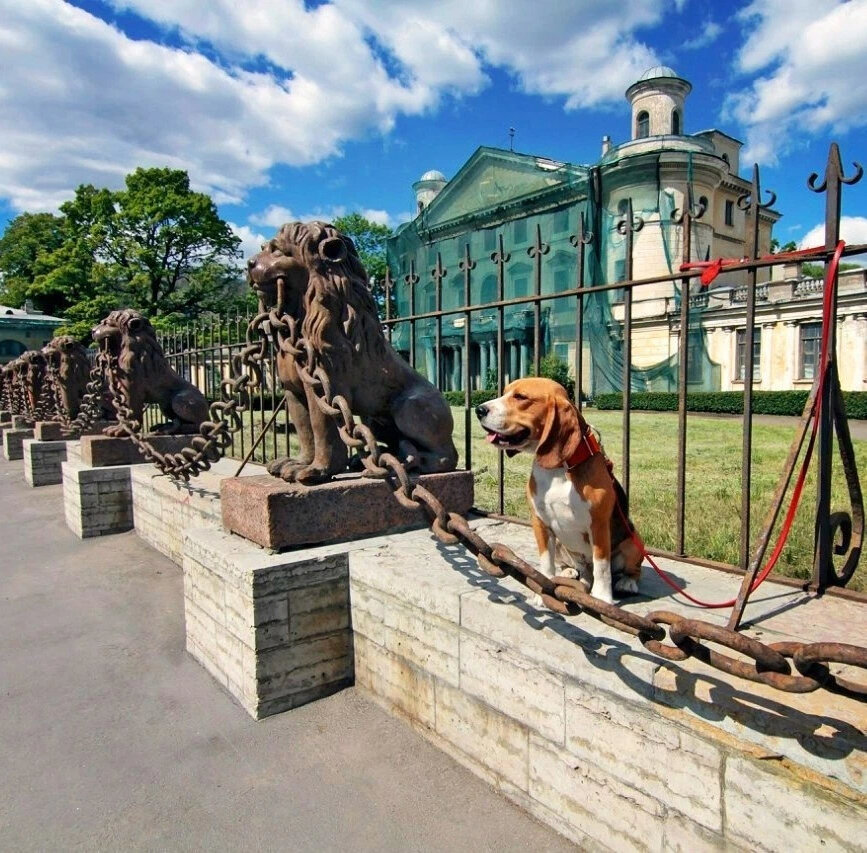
113,738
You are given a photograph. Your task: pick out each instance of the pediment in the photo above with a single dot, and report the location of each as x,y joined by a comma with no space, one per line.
491,178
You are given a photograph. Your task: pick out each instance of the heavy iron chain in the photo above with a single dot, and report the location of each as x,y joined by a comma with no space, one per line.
90,408
214,435
46,408
52,380
567,596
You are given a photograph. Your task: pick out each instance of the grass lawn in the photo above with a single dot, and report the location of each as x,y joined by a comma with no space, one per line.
713,483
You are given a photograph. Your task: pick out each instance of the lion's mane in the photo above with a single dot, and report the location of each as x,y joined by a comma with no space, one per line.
340,316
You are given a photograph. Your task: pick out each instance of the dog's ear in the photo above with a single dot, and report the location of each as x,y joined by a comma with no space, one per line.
561,433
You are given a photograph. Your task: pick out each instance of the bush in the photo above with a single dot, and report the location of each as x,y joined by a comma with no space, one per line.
556,368
730,402
456,398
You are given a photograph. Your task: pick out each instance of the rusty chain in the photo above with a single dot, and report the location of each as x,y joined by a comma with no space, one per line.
215,434
767,663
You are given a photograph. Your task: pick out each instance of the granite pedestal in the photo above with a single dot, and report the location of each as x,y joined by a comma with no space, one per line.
97,486
278,515
5,417
54,431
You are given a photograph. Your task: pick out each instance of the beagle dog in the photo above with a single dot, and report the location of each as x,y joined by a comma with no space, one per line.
573,495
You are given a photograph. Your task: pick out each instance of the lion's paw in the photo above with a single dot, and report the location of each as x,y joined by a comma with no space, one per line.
116,431
285,468
311,474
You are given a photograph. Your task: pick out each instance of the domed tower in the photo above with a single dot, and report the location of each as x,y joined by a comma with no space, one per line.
427,188
657,102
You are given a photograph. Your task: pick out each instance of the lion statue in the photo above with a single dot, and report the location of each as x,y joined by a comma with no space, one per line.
8,387
314,272
68,359
31,370
144,375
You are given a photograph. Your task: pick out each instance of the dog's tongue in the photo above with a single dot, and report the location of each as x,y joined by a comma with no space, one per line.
491,437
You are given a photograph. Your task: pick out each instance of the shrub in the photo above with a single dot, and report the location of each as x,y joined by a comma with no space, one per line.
456,398
730,402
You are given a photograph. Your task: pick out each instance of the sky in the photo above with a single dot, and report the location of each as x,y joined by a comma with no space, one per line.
282,109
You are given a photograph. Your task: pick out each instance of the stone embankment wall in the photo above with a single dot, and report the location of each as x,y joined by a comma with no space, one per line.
592,734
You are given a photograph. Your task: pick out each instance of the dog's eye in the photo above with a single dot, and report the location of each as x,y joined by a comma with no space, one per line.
519,397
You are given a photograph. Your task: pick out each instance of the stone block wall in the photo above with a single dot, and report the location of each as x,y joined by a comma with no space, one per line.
580,725
42,461
13,442
164,508
273,629
97,501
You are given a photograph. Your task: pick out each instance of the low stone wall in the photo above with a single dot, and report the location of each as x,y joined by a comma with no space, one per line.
164,508
579,724
273,629
13,442
97,501
42,461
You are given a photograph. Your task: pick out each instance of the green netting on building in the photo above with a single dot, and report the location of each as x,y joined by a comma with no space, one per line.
501,195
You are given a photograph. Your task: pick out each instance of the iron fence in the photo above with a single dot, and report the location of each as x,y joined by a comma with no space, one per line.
203,353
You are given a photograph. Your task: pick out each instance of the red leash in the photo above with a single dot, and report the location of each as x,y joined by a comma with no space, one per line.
830,287
711,269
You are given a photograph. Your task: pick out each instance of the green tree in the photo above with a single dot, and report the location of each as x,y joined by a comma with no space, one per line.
155,245
26,240
369,238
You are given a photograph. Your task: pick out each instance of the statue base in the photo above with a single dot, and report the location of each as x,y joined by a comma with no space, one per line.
279,515
13,441
100,451
43,461
53,431
5,417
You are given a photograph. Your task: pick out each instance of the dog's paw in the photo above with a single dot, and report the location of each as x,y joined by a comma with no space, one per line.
603,593
568,572
626,586
535,600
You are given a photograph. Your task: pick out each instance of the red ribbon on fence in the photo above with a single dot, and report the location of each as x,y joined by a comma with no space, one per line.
711,269
828,302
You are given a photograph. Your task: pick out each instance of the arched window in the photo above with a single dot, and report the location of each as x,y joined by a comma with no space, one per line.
725,158
489,289
11,348
642,125
675,122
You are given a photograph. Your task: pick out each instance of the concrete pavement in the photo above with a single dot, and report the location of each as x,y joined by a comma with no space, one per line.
113,738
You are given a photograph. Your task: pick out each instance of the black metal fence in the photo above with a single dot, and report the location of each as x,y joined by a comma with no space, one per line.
203,353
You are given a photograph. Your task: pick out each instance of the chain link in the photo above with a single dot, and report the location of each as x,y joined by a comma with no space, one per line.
215,434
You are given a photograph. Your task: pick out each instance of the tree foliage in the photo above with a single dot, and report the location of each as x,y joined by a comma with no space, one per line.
369,238
155,245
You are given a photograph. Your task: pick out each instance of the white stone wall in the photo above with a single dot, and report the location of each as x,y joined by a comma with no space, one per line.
97,501
42,461
272,629
581,726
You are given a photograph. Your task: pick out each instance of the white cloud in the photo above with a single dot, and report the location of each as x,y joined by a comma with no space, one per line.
82,102
853,229
811,66
251,241
710,32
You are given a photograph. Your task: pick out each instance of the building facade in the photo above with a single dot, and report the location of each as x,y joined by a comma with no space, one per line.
503,208
23,329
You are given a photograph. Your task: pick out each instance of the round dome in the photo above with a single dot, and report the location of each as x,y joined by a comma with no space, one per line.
433,175
659,71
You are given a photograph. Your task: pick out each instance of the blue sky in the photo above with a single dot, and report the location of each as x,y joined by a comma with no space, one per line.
282,109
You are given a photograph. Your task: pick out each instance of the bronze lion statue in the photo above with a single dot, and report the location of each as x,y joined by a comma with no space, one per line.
31,370
144,375
68,360
324,286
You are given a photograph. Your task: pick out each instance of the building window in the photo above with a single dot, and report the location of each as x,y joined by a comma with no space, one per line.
695,365
620,269
642,125
490,240
520,231
811,342
489,289
741,357
560,221
675,122
725,158
730,212
561,279
430,298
